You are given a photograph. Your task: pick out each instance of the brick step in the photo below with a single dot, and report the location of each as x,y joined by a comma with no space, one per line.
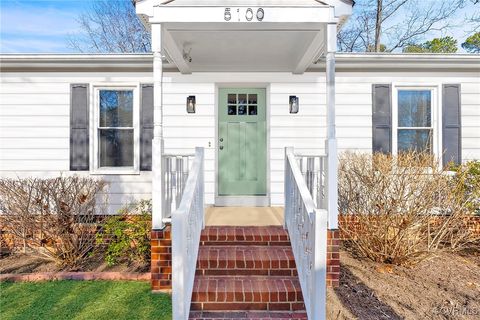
224,235
245,293
251,315
246,260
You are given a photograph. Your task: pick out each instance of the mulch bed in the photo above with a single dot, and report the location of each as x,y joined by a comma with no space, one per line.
30,267
444,287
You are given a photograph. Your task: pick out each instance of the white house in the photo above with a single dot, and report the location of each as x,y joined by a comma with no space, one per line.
244,80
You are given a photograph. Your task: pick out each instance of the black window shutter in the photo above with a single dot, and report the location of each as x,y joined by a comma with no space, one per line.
382,118
79,135
146,127
451,124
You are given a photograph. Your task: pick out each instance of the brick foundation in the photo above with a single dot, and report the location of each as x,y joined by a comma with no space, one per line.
161,265
333,258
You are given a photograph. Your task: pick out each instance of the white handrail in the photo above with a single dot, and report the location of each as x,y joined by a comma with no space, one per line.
187,224
307,228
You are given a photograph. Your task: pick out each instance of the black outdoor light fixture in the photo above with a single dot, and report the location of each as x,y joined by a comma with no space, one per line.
191,104
294,104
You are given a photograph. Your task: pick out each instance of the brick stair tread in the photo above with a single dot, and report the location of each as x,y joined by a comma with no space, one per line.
228,235
250,289
251,315
214,257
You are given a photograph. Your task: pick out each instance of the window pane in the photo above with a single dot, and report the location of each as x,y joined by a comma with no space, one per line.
242,99
232,98
252,98
414,108
242,110
116,108
418,140
252,110
232,110
116,148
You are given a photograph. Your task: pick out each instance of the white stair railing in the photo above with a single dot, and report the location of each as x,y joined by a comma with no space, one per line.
176,169
187,225
313,168
307,228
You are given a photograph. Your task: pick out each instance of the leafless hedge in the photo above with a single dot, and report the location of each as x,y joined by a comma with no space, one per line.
54,217
401,209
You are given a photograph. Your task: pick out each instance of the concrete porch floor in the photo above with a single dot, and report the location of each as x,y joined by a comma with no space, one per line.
244,216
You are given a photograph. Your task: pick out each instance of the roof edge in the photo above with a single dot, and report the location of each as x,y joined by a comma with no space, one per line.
144,62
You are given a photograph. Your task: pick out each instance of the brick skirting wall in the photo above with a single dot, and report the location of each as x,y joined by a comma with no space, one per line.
471,222
161,261
333,258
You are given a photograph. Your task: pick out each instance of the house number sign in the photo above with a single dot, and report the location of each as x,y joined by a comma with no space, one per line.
249,14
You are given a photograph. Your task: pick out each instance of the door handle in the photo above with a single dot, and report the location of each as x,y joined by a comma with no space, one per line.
221,139
221,147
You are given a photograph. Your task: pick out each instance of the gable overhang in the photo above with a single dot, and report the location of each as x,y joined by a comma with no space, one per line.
219,37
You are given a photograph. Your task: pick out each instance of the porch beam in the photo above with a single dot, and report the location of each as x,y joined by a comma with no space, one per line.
331,143
313,51
157,143
174,52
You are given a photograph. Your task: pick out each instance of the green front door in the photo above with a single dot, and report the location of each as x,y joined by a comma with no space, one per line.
242,142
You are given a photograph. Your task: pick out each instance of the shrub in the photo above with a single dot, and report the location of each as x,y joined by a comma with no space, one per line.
402,209
54,217
467,177
127,235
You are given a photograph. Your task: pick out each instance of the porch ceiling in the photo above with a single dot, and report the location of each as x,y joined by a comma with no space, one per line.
243,50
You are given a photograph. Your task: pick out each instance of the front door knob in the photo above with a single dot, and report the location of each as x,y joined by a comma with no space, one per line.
221,147
221,139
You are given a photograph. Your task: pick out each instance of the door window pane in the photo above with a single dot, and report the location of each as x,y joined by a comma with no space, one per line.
242,110
414,108
232,98
252,99
252,110
242,99
232,110
418,140
116,108
116,148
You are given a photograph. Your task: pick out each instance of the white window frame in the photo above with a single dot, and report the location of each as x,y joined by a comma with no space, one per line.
435,110
94,125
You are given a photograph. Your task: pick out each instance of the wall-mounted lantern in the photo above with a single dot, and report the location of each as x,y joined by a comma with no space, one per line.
191,104
294,104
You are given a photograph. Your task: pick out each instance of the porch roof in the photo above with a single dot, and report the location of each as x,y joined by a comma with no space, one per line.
264,36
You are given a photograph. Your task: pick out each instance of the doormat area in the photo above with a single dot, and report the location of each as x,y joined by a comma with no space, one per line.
244,216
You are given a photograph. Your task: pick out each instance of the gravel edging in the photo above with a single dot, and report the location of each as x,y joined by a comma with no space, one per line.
49,276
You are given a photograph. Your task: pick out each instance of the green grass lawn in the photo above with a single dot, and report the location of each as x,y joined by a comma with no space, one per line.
92,300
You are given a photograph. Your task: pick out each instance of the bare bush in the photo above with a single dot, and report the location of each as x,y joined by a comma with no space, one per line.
54,217
401,209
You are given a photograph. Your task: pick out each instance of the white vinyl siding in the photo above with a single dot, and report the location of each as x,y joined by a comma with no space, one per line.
35,129
34,119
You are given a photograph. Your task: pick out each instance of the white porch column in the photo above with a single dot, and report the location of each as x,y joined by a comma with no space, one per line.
331,143
157,143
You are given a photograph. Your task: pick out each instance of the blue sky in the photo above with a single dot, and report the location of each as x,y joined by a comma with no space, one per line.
44,25
38,25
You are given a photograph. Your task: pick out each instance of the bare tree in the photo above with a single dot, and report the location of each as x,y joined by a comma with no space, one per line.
378,25
377,22
111,26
